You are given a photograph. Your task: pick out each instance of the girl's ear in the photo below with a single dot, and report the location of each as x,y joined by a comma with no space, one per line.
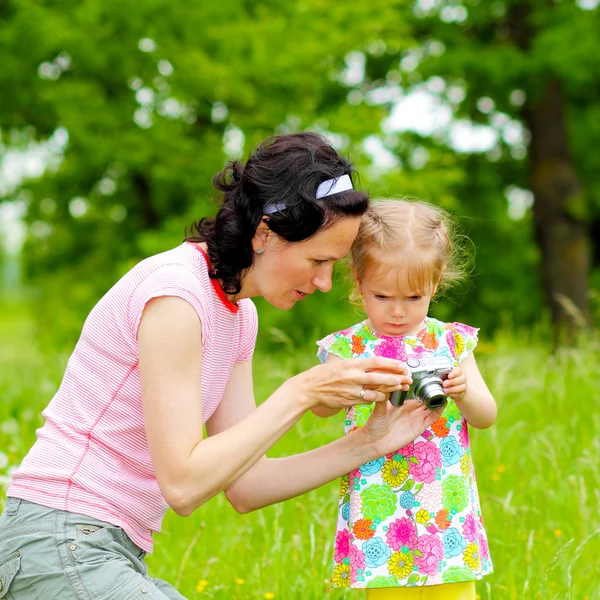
356,278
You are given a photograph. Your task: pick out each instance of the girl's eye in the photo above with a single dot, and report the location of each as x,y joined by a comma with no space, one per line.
379,297
415,298
318,261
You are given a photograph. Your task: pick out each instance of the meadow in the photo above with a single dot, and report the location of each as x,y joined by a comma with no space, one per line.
537,468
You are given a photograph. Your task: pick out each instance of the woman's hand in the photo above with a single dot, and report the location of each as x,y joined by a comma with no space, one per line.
390,428
345,383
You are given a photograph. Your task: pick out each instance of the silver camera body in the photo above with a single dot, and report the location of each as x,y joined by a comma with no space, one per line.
427,375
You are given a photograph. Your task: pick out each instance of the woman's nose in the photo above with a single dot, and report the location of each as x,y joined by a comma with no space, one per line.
322,280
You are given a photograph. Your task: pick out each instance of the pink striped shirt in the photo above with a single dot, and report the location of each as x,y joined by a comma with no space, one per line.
91,456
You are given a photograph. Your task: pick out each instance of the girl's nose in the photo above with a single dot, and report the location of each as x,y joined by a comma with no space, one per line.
398,310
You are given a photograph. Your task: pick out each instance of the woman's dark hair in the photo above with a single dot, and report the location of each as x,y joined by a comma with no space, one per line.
283,170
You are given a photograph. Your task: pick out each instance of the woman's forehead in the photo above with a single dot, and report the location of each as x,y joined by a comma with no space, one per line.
334,242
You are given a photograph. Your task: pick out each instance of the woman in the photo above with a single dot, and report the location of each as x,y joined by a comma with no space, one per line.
168,349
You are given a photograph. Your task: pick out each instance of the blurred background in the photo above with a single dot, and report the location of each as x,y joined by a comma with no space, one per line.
115,115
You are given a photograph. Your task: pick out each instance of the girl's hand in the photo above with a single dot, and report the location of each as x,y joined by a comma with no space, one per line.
390,428
455,385
345,383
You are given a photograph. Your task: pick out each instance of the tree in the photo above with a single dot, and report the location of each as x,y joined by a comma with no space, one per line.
531,62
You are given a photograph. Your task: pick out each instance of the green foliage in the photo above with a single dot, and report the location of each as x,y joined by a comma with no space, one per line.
140,104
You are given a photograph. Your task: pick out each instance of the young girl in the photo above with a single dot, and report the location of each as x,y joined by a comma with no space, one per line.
409,523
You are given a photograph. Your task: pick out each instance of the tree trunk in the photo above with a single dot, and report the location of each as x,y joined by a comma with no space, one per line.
559,214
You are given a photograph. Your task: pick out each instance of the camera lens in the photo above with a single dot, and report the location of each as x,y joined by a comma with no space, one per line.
431,393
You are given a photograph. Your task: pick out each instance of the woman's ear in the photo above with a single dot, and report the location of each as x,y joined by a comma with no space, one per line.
261,236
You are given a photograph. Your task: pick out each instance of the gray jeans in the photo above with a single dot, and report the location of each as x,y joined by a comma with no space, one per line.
50,554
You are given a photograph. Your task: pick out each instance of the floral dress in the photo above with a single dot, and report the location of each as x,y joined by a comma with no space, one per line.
411,518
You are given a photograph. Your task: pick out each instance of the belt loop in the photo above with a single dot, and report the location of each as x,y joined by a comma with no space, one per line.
12,506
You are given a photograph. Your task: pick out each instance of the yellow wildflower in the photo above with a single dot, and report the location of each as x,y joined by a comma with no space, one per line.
201,585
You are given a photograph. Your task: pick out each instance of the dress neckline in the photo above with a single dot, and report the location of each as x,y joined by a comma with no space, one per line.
382,336
229,305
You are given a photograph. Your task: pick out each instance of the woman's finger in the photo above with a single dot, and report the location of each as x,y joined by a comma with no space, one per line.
368,397
379,363
381,380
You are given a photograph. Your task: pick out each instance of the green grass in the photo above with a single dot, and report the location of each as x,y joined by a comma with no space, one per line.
537,468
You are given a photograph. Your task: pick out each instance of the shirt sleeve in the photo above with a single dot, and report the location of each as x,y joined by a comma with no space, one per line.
248,331
169,280
462,340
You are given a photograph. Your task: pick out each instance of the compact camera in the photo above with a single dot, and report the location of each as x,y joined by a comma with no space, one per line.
427,375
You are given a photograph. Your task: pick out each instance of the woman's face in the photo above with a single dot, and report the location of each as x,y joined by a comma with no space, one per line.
286,271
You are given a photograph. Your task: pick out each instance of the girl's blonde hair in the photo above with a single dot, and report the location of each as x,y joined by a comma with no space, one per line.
412,235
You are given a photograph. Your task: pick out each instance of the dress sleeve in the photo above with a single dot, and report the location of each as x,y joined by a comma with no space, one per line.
462,340
169,280
248,332
335,343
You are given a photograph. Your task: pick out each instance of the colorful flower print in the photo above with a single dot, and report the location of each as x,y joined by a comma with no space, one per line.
356,505
440,427
379,501
463,435
465,464
376,552
358,344
457,574
402,532
430,497
343,486
442,520
455,493
429,341
342,545
428,458
391,348
401,564
345,511
430,547
372,466
454,543
422,516
407,451
357,561
451,451
452,412
341,575
469,528
383,581
363,412
341,347
471,556
363,529
484,550
411,518
395,472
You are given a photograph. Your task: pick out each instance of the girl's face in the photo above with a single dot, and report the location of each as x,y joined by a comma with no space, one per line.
392,307
285,272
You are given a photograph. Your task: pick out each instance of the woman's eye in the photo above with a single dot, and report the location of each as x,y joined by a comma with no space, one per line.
317,261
